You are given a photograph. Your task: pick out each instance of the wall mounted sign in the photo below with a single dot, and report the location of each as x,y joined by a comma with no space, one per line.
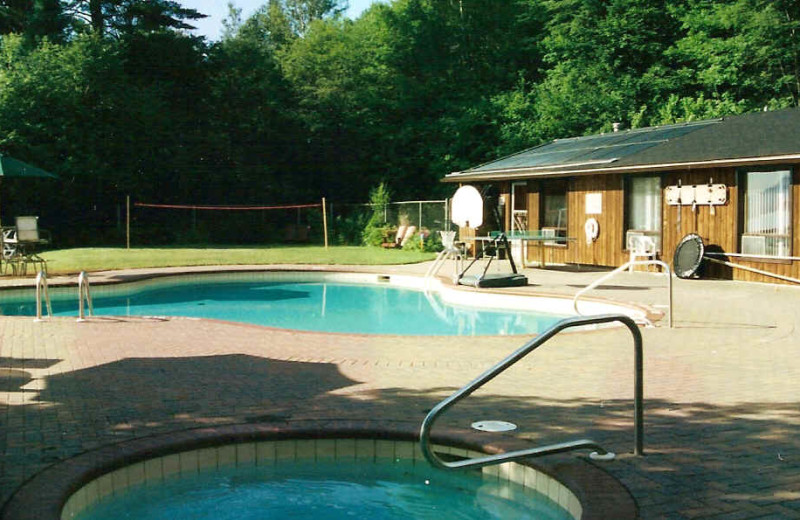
594,203
698,194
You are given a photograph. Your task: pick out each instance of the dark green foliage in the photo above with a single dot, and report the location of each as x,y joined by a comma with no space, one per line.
296,102
377,230
125,17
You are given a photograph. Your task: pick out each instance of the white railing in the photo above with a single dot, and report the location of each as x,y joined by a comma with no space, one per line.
620,269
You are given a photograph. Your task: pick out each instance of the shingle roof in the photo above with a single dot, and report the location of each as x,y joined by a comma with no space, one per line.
736,138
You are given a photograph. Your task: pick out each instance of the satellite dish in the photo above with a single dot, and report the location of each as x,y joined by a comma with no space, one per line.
467,207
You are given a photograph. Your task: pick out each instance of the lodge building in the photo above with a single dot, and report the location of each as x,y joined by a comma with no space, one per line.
733,181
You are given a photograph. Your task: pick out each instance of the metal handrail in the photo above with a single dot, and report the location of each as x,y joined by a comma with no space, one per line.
622,268
638,410
41,288
84,293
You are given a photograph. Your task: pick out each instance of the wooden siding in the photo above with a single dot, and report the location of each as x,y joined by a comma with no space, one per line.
720,231
608,249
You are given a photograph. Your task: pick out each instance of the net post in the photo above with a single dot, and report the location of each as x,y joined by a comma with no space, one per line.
325,222
127,222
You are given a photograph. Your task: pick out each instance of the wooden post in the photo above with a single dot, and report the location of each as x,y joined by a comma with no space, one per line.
325,221
128,222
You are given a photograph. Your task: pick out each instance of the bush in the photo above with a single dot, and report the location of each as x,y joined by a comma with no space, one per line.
376,230
349,230
432,243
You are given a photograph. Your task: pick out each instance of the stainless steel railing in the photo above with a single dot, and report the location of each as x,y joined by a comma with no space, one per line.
568,323
41,291
84,294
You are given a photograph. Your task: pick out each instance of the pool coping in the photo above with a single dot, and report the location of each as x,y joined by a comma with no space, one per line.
44,495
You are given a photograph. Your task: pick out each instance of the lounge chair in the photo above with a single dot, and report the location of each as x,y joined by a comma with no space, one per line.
410,232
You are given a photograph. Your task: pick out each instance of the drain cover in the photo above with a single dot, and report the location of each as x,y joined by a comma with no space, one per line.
494,426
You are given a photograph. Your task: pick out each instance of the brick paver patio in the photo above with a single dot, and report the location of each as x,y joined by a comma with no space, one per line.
722,421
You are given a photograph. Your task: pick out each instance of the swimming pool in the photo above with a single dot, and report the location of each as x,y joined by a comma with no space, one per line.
327,302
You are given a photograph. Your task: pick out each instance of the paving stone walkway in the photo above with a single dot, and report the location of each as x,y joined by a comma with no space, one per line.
722,388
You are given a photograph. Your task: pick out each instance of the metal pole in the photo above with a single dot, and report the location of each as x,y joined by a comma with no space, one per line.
128,222
325,222
638,399
753,270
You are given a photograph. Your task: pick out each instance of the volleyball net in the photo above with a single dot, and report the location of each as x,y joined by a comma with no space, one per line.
169,224
165,224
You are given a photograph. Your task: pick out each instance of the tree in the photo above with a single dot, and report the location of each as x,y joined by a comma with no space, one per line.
36,19
118,17
738,55
280,22
601,57
301,13
232,22
253,133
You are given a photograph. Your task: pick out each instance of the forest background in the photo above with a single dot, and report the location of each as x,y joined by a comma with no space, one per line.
297,102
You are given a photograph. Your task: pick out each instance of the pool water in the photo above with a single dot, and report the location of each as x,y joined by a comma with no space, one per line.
385,490
309,306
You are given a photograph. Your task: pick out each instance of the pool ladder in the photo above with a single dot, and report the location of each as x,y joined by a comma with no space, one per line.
599,453
41,292
84,294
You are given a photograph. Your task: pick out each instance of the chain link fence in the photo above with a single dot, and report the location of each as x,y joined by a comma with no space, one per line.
349,220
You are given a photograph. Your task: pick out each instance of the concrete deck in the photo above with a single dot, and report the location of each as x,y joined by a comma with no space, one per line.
722,421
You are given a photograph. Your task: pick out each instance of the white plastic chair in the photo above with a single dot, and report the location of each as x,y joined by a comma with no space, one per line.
641,247
448,238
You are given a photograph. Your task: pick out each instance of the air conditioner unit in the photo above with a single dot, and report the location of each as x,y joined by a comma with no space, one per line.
754,245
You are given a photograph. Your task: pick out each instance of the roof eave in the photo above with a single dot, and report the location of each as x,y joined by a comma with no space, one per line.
516,173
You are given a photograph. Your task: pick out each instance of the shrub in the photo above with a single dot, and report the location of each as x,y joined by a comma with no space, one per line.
377,230
431,243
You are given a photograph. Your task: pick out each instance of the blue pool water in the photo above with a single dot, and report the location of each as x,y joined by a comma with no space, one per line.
387,490
310,306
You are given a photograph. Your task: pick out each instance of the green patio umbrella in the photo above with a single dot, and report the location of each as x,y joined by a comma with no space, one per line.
10,167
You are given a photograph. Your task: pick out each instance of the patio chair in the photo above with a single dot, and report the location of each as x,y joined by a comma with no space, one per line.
10,249
640,247
28,238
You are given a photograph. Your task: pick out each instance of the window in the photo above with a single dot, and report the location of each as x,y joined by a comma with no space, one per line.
643,208
519,207
553,206
767,221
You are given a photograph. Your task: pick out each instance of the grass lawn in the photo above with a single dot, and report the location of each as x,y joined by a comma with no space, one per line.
67,261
